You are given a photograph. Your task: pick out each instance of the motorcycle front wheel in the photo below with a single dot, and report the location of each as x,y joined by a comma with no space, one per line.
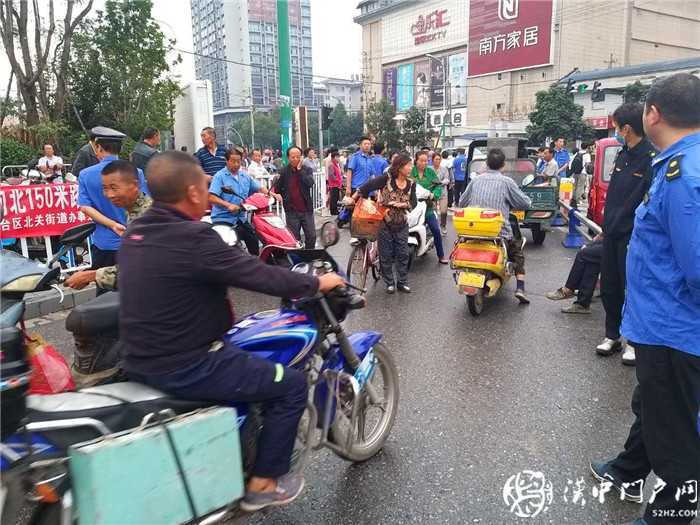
374,421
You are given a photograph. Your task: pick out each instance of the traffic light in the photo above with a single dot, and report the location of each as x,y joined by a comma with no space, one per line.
581,88
570,85
326,117
597,95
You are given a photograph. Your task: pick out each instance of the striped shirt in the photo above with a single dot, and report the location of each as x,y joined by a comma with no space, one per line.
211,163
494,190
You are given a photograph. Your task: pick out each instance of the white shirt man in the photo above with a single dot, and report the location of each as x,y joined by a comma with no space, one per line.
50,165
256,168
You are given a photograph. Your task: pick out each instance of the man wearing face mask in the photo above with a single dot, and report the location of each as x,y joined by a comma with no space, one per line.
630,180
662,314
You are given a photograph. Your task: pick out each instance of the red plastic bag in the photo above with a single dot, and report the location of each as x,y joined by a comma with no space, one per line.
50,372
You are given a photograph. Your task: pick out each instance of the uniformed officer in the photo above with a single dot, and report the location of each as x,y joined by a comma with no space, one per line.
662,311
110,219
630,180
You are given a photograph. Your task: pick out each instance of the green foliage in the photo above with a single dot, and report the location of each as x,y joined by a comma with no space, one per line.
267,130
380,123
556,115
48,132
14,152
636,92
119,73
415,134
345,129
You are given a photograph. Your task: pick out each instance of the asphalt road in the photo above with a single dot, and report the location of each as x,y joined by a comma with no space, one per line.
519,388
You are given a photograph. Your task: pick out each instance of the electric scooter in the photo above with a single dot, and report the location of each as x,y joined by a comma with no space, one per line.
420,239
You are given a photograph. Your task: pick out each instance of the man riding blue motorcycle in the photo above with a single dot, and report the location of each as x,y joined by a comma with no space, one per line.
174,312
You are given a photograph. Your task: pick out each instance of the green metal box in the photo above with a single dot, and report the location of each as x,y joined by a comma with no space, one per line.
132,477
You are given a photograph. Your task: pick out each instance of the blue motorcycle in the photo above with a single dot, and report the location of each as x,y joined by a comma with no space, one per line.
353,383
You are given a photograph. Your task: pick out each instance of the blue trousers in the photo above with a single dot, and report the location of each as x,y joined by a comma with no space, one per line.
232,375
434,225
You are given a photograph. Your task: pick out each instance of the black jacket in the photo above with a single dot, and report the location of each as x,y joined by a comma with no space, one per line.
630,180
173,278
307,182
83,159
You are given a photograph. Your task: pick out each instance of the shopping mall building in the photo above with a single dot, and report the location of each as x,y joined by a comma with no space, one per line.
478,63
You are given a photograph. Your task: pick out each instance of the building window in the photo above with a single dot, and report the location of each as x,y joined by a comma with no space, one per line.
499,107
500,76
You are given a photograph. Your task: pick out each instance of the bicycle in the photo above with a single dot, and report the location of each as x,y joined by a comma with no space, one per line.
363,259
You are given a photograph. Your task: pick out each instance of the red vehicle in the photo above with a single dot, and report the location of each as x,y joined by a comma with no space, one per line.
605,153
270,228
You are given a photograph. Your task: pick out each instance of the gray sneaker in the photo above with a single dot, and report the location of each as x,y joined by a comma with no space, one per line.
575,308
288,489
558,295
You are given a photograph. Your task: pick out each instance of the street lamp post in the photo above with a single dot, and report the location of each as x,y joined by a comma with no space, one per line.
444,89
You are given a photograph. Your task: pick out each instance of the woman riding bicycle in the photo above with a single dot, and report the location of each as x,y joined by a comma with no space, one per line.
397,194
426,177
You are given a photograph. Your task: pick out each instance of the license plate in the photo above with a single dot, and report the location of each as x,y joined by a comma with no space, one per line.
474,280
520,215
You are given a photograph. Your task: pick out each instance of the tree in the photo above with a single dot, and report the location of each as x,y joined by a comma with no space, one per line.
556,115
267,129
345,129
415,134
380,123
119,74
42,98
636,92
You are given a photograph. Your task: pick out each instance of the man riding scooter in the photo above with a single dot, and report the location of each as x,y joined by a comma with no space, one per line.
226,207
492,189
174,275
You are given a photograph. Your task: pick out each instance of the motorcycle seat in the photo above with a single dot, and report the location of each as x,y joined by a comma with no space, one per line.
96,316
119,406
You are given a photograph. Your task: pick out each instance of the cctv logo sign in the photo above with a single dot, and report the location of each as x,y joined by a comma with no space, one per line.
508,9
507,35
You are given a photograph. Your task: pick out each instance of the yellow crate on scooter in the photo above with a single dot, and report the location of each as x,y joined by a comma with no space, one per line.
478,222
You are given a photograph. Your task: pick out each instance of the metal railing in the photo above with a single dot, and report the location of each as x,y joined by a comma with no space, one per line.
9,170
579,223
319,191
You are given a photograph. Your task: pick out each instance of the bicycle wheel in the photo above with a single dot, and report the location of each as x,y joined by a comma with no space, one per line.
375,264
358,266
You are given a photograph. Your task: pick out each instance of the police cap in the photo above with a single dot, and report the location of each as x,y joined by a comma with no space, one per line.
102,134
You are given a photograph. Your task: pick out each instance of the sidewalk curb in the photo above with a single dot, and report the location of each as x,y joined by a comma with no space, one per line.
44,303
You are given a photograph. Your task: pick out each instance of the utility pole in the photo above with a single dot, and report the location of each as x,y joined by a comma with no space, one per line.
285,83
252,122
320,133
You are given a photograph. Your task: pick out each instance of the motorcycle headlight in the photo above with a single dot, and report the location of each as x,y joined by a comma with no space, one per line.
26,283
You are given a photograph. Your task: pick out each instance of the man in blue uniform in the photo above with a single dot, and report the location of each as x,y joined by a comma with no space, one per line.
379,162
459,169
110,219
661,316
360,167
561,155
228,189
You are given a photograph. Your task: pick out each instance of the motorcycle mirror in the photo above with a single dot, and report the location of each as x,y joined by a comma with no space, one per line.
75,236
329,234
528,180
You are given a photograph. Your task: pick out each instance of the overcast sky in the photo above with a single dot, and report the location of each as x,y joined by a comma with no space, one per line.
336,38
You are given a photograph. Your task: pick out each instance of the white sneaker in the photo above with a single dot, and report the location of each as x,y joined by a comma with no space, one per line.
443,231
608,346
628,357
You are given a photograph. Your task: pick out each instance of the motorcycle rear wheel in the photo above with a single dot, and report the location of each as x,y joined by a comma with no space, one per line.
475,303
367,447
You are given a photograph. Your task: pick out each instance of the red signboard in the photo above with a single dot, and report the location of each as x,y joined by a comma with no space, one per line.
600,122
38,210
509,34
428,27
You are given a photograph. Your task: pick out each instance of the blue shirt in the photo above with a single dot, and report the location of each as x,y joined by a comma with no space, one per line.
561,156
361,166
459,168
379,164
90,194
242,184
662,304
211,164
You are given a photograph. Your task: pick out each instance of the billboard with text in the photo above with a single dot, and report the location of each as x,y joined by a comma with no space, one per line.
505,35
404,87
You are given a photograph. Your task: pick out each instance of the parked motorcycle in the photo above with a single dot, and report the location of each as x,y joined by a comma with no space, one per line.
420,239
352,406
480,255
270,228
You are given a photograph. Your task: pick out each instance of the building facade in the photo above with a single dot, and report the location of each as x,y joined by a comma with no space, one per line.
236,48
332,91
477,64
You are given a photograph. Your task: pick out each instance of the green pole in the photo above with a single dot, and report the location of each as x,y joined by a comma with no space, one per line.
285,81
